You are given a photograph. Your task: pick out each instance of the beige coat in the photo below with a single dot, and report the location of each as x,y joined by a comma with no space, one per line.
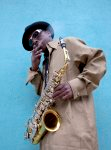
86,68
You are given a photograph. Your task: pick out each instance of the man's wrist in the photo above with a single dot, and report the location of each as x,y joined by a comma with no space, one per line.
34,69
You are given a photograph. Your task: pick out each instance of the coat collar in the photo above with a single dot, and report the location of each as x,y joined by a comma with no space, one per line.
52,45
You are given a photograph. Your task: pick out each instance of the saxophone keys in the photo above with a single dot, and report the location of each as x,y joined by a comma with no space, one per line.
26,135
39,112
51,100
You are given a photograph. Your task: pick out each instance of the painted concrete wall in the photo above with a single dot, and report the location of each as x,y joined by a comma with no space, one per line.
89,20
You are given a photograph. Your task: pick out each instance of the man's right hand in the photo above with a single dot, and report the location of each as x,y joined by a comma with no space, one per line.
36,56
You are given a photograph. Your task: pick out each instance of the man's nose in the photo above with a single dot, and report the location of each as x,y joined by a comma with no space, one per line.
35,43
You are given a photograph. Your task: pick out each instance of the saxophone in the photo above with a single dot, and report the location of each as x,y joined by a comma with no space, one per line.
45,118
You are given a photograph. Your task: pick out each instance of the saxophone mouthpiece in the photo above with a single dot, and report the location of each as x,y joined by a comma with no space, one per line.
63,44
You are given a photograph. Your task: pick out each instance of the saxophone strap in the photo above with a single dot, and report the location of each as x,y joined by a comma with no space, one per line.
46,70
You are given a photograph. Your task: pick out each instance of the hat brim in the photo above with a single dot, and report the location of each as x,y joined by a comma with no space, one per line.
31,28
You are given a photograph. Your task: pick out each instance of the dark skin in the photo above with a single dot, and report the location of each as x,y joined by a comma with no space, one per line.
62,91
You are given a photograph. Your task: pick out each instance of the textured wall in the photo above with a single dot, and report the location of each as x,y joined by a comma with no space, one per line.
89,20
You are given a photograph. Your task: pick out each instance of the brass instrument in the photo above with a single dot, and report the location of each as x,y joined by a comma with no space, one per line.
45,118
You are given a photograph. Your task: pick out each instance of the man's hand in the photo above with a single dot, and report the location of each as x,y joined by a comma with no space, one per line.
63,91
36,56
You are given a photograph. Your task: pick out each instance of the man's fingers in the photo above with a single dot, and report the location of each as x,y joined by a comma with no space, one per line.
65,97
38,51
61,95
38,56
68,95
58,90
63,91
35,51
59,87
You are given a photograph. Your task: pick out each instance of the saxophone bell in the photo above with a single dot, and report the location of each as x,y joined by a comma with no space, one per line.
51,120
50,123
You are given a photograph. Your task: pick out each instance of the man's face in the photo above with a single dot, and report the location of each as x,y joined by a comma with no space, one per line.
40,39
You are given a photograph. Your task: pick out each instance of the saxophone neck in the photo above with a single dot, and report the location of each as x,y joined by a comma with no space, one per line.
63,45
66,55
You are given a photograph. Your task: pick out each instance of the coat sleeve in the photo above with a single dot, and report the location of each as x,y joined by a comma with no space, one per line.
92,72
36,79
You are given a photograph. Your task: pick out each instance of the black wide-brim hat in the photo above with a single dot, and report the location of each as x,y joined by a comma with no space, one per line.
31,28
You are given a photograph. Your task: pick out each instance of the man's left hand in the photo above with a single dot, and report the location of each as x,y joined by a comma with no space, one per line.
63,91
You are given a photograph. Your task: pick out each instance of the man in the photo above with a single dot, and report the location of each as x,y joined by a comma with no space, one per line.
74,101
